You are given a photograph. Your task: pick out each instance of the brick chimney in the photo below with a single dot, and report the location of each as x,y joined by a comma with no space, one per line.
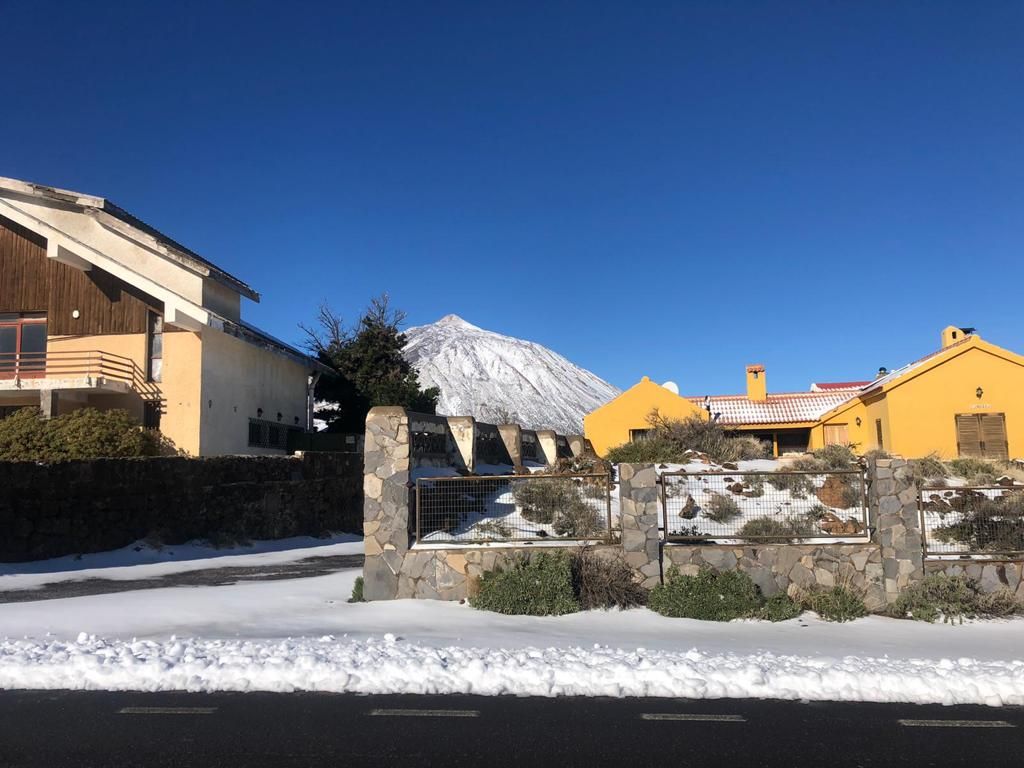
757,384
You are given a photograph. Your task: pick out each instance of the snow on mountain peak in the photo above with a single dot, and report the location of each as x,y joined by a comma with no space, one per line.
497,378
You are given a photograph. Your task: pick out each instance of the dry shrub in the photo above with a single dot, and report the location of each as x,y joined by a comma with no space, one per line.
604,582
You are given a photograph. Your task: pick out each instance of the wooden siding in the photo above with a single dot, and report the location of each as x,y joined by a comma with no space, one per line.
32,283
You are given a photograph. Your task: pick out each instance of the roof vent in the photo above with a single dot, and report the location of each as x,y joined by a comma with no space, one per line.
883,371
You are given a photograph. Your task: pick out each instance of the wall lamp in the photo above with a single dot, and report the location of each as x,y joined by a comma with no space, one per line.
259,413
979,392
857,421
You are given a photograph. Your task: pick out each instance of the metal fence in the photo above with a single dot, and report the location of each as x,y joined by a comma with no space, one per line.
972,521
513,508
780,507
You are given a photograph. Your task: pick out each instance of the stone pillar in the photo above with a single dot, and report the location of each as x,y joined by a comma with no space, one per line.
639,508
386,496
512,437
463,429
892,509
548,443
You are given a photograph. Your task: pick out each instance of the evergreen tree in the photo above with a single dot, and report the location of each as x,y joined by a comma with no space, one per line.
368,365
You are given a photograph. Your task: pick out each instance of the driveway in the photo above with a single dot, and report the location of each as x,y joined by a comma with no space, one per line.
209,577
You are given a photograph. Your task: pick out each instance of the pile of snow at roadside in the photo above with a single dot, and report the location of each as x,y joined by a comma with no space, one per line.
383,666
301,634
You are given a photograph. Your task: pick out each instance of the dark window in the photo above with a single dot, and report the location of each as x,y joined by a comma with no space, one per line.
22,344
636,435
151,412
155,348
878,433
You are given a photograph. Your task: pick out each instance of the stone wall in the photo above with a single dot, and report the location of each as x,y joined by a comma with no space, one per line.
91,506
401,446
881,567
783,567
993,575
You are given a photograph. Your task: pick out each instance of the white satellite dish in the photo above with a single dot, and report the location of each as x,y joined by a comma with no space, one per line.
672,387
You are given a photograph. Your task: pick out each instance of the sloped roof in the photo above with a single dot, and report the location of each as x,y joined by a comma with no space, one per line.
86,202
881,381
778,408
836,386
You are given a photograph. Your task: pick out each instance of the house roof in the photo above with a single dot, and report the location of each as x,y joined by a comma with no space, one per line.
837,386
99,204
778,408
881,382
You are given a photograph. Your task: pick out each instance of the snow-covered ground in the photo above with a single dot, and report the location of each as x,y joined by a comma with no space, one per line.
303,635
142,560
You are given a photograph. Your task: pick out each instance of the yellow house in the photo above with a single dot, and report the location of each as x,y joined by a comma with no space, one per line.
624,419
99,309
965,399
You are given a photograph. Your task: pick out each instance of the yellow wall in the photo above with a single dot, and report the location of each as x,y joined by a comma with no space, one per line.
182,391
923,409
609,425
238,379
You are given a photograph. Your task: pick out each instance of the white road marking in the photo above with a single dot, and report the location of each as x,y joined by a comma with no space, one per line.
424,713
957,723
167,711
695,718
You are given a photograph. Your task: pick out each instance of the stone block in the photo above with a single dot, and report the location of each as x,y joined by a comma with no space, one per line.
802,576
379,581
825,578
720,559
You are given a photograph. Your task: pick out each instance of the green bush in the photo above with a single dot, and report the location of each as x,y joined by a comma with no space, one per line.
602,582
838,603
357,591
836,457
799,486
86,433
779,607
538,586
577,521
928,470
670,440
987,525
541,499
951,598
709,595
975,471
721,508
772,529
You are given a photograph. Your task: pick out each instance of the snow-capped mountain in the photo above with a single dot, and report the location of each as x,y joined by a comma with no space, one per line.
494,377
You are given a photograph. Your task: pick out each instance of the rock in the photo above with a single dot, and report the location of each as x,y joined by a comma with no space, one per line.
690,509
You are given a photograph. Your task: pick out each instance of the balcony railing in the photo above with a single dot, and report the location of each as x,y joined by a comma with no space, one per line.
71,364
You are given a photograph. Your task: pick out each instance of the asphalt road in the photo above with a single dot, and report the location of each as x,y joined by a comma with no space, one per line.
55,729
209,577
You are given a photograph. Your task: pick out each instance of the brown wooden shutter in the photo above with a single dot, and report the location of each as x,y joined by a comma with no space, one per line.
968,435
993,436
878,433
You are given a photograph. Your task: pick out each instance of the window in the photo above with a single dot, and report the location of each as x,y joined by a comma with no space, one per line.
151,412
270,434
22,345
878,433
155,348
837,434
635,435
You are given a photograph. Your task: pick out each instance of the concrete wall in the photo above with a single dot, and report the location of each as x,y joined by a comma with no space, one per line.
103,504
238,379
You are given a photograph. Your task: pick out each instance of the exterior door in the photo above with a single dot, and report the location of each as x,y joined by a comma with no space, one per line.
837,434
22,345
982,435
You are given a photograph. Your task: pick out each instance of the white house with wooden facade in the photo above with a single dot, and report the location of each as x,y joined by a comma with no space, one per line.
99,309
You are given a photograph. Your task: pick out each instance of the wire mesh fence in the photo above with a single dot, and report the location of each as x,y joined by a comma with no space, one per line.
776,507
513,508
972,521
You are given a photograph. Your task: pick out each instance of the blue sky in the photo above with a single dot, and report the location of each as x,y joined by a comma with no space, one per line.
669,189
